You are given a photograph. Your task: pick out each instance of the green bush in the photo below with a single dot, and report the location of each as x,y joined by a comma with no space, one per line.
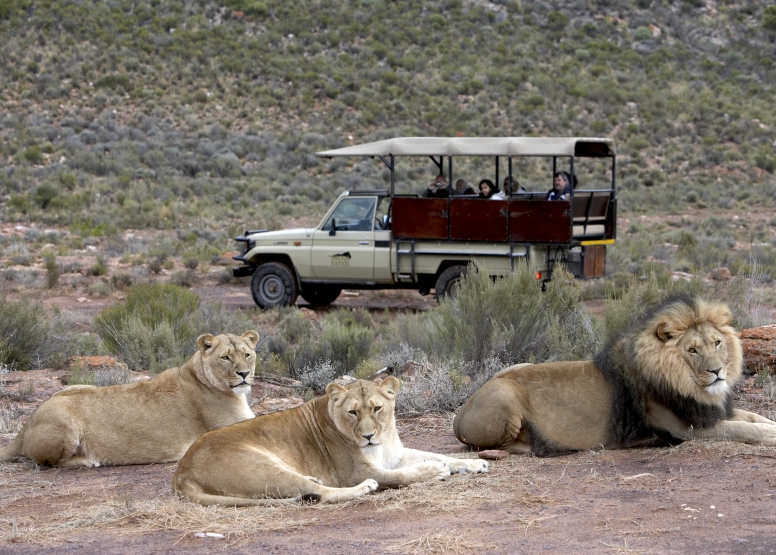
24,332
52,269
349,344
152,328
507,319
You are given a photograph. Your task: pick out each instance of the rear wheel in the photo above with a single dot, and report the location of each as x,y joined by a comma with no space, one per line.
448,281
320,296
273,285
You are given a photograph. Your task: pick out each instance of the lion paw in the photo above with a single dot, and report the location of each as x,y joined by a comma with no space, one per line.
468,465
432,470
369,485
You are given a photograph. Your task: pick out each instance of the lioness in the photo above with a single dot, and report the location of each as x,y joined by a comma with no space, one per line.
665,380
144,422
339,446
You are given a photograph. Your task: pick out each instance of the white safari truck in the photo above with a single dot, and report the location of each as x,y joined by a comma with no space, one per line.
378,239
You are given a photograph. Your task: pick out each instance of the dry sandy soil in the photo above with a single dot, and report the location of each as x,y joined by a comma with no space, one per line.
698,497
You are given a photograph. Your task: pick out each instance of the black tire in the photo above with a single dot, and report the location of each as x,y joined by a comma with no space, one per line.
448,281
273,284
320,296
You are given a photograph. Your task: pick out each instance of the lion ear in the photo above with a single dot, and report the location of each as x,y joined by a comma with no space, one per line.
390,386
251,337
334,390
663,333
206,342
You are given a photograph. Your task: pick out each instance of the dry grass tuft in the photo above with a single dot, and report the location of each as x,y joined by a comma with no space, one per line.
171,514
443,542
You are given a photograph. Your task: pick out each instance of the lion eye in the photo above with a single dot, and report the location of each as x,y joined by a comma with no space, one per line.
352,412
378,409
717,343
692,350
247,355
225,358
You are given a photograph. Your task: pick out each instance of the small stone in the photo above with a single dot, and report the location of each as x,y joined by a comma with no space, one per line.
493,454
719,274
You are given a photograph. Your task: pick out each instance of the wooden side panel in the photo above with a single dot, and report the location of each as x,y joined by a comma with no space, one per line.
539,221
595,261
419,218
590,206
478,220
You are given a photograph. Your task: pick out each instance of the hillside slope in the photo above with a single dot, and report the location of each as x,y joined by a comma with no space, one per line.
154,114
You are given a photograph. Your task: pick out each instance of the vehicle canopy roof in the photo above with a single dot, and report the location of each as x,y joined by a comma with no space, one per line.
479,146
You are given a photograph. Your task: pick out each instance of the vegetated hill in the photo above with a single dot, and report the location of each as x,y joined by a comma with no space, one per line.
149,113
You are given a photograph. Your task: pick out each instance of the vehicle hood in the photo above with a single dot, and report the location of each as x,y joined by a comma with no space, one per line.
273,237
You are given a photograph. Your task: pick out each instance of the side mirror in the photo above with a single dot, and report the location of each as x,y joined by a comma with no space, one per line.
333,230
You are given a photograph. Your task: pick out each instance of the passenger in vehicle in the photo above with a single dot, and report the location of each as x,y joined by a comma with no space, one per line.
561,187
439,188
463,188
512,187
490,191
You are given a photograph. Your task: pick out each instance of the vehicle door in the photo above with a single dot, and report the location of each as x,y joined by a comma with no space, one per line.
343,247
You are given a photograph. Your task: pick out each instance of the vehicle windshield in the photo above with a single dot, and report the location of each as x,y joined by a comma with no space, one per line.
352,214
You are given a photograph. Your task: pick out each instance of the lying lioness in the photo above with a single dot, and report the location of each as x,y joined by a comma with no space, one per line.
333,448
143,422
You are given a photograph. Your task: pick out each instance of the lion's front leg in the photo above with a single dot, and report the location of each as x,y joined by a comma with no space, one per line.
746,416
741,431
423,471
413,456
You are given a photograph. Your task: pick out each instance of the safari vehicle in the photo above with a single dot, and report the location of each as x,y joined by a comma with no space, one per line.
384,239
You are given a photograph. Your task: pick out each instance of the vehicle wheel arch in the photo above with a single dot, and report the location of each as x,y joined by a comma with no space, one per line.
260,259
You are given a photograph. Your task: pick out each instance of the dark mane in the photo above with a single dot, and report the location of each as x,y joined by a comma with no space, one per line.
628,410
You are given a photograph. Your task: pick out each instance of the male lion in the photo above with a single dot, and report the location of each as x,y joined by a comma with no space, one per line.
665,380
339,446
144,422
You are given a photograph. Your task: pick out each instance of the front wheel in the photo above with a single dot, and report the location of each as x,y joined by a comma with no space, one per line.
448,281
320,296
273,285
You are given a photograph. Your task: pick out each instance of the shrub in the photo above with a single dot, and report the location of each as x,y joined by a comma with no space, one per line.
318,375
350,344
52,269
152,328
24,334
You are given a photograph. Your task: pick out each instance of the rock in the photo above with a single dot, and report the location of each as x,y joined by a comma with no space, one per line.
226,259
759,346
719,274
676,276
265,406
493,454
93,363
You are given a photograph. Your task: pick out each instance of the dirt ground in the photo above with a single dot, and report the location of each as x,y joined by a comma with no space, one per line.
698,497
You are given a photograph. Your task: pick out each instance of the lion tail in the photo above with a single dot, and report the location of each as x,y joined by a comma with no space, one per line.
13,449
187,490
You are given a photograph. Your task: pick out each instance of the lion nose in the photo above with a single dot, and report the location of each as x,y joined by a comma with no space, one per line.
243,374
368,436
715,371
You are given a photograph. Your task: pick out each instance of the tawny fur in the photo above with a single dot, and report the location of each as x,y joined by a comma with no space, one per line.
665,380
144,422
334,448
